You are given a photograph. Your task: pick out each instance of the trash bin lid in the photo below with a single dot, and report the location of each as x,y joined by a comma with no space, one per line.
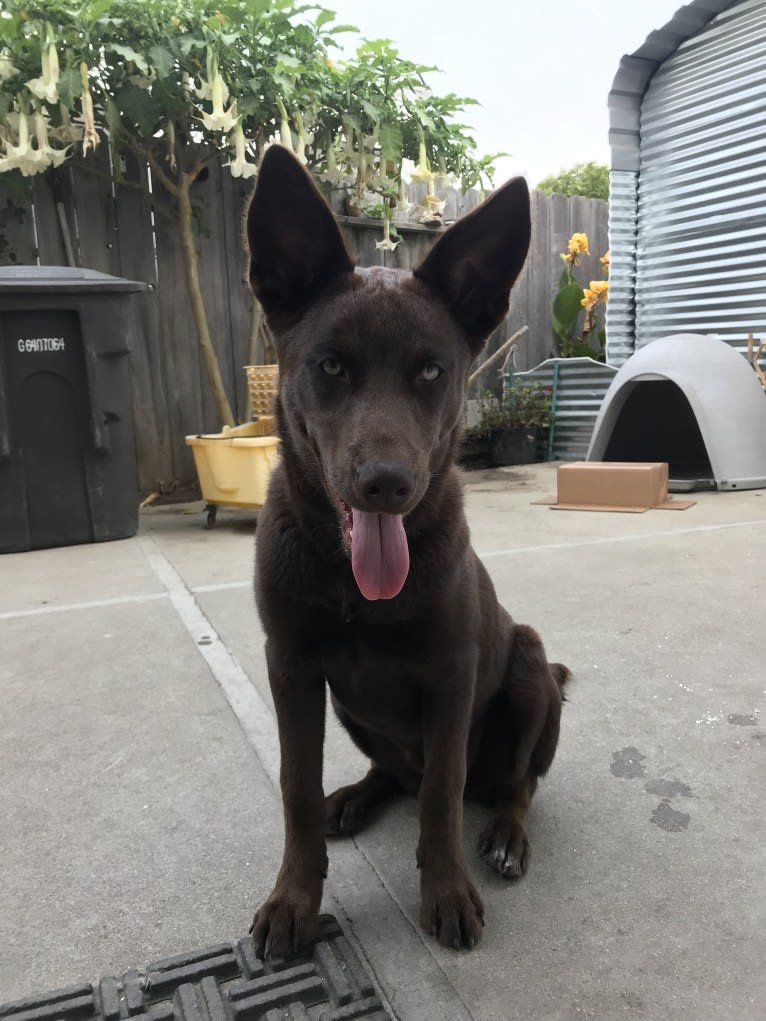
32,279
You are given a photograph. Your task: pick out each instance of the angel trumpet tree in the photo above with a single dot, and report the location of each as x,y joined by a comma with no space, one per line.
183,84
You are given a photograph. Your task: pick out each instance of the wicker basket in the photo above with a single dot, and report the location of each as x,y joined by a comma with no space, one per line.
262,381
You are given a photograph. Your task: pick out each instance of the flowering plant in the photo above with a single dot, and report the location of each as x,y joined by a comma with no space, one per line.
521,406
571,299
183,84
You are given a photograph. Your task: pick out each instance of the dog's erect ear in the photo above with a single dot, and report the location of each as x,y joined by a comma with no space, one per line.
295,245
474,264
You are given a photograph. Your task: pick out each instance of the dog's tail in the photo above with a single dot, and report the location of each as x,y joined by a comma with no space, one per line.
561,674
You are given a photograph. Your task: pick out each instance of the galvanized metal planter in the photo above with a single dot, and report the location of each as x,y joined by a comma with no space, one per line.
577,387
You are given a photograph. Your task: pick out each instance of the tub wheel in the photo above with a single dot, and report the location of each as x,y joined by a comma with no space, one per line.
209,515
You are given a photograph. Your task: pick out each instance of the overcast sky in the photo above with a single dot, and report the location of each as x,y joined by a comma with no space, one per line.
541,69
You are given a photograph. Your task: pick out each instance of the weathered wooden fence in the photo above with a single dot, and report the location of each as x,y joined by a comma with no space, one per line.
78,215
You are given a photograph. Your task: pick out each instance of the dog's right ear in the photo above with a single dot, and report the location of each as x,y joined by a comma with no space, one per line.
296,248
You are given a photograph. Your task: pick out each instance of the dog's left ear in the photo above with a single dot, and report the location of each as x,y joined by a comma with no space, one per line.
474,264
295,246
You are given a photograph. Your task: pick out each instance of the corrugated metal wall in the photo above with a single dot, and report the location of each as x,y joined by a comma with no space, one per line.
621,307
701,230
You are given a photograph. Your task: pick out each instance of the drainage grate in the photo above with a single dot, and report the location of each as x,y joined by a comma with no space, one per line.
226,982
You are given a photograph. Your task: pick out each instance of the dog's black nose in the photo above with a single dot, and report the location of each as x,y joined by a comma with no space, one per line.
385,487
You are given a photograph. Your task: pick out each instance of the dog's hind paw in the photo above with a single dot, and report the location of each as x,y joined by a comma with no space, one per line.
344,816
348,809
505,849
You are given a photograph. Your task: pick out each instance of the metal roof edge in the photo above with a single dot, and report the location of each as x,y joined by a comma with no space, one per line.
636,69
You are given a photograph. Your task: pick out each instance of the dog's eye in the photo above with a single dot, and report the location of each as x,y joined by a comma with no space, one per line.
332,367
430,372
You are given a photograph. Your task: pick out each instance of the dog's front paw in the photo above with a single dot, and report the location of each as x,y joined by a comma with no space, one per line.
505,848
286,922
452,911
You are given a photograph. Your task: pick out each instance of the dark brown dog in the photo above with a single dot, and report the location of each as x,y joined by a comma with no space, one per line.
365,577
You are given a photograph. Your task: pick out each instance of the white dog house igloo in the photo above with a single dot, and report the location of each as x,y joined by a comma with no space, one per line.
690,400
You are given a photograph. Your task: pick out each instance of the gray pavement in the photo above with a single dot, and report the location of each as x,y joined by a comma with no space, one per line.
139,815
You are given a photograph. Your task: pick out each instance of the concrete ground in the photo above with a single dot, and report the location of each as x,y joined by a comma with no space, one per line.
139,816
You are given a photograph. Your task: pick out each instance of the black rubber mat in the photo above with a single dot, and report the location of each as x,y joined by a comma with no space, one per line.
223,983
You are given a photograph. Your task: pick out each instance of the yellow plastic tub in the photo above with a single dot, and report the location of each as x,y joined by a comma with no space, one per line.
234,465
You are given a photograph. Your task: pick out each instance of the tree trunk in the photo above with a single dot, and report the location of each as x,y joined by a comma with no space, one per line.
191,269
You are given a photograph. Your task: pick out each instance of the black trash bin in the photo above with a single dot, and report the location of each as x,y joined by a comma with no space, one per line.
67,451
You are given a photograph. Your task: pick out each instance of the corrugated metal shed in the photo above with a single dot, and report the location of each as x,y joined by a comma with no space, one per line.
687,215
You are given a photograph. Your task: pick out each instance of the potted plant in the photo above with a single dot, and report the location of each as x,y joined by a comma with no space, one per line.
513,425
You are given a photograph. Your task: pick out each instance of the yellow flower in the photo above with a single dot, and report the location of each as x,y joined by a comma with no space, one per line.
596,294
604,260
578,245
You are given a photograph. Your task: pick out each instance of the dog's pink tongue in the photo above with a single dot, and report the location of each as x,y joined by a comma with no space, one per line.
380,557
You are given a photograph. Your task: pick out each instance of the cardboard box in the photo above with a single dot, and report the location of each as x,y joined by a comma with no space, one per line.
630,486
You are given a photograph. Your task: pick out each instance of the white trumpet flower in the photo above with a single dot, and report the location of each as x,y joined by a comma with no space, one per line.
46,155
23,156
239,167
219,119
7,68
46,86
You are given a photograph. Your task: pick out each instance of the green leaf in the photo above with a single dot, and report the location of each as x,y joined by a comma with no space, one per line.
566,309
372,111
95,10
70,86
139,107
391,141
130,54
169,96
162,59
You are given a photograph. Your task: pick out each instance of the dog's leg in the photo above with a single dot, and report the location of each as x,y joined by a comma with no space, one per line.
288,919
349,808
451,908
518,746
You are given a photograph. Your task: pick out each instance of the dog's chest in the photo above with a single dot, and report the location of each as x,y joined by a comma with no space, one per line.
375,678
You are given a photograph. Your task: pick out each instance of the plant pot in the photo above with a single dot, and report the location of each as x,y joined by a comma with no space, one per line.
474,452
513,446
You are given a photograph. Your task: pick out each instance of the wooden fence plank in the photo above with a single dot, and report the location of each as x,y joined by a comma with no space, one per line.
544,273
50,245
94,212
135,250
214,274
235,196
183,386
